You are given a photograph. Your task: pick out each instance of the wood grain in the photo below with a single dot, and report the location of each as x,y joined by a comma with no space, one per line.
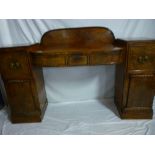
21,70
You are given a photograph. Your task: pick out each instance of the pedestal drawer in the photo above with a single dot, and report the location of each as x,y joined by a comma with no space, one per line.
15,65
141,58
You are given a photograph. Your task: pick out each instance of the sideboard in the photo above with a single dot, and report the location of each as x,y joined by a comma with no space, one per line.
21,70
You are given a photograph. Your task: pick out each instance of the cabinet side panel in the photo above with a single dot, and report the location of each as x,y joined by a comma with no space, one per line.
40,86
119,84
120,80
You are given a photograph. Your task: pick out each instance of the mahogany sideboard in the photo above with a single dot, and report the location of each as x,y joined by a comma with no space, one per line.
21,70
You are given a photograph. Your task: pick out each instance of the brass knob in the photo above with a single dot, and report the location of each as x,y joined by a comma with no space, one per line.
18,64
15,65
141,59
12,65
146,58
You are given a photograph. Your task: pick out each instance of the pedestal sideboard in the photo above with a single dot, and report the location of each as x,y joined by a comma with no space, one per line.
21,70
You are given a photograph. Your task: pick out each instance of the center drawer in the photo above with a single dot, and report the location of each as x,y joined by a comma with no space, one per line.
141,58
77,60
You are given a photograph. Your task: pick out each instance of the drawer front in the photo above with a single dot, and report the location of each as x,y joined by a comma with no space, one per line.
48,60
14,65
101,59
142,58
77,60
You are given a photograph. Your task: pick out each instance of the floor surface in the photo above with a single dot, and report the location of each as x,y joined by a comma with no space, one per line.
80,118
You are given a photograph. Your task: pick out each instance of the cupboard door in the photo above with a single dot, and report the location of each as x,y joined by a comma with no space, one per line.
141,91
20,97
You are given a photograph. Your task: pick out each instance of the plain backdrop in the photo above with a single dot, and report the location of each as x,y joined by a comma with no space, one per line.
80,98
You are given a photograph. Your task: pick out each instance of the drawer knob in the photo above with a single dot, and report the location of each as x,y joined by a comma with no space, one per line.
76,57
15,65
146,58
143,59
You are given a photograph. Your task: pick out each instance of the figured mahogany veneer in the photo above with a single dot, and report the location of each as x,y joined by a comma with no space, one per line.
21,70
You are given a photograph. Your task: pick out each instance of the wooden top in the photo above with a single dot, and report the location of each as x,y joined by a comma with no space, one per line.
73,49
70,40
